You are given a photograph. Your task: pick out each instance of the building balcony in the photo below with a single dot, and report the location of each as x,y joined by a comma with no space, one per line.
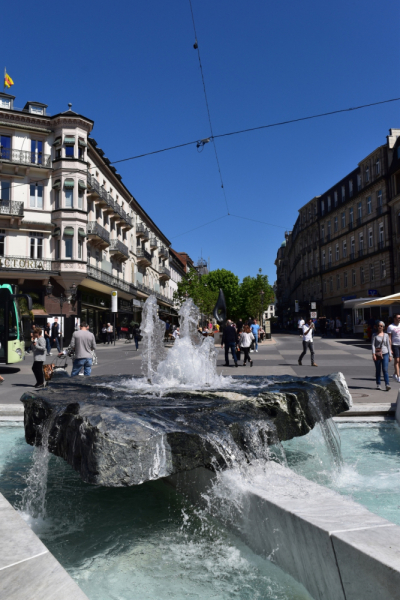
10,208
379,210
351,226
25,157
164,273
361,252
107,201
97,234
106,278
143,257
153,242
381,245
142,231
359,220
163,252
119,250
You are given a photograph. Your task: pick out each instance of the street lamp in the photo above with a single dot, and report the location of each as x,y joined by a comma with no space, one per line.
62,299
262,294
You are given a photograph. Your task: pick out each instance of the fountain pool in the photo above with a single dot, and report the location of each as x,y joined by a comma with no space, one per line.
370,473
143,542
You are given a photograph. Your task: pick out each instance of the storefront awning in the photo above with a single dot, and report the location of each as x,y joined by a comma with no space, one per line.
69,139
81,142
57,141
56,232
81,232
69,183
57,184
82,184
69,231
385,301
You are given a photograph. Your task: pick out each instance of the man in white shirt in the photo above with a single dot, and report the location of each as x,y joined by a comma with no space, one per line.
308,342
394,337
176,334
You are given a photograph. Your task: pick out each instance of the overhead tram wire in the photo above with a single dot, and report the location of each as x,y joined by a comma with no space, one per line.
212,137
220,135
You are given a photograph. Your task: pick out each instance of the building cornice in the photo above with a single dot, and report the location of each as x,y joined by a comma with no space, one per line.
23,127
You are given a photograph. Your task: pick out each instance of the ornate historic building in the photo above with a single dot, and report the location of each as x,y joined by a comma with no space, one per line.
345,243
67,217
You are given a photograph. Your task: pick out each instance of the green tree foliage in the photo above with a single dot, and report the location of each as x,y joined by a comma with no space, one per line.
23,305
242,299
194,286
252,301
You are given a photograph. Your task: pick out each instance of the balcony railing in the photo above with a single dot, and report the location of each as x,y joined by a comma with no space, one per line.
164,272
25,157
142,231
108,199
94,228
143,255
153,242
351,225
117,246
100,275
163,252
359,221
361,252
11,207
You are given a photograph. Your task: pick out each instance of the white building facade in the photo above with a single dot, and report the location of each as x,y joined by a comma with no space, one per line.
66,216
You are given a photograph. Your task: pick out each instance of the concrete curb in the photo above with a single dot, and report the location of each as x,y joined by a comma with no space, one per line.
27,568
333,546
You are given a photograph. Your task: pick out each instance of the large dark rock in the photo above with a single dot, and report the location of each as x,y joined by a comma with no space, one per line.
116,436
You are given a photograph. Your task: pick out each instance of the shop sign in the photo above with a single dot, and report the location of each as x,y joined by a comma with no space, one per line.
136,303
124,305
36,264
114,301
313,315
373,293
313,306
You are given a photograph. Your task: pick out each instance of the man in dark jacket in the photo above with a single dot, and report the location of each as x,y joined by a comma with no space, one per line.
229,338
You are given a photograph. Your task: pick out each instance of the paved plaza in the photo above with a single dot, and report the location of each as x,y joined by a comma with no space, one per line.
276,357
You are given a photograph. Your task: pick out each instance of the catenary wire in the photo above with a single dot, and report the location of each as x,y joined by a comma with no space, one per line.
342,110
207,106
199,226
257,221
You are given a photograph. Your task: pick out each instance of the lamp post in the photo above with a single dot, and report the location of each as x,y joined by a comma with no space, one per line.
262,294
62,299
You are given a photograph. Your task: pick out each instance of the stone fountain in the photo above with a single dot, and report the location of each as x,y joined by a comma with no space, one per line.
121,431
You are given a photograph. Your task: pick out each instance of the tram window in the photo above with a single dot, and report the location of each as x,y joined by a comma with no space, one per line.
12,324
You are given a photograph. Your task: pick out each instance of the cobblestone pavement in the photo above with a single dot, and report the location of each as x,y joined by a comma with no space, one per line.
276,357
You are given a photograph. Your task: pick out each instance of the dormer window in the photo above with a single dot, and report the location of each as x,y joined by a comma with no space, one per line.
378,167
35,108
5,103
366,174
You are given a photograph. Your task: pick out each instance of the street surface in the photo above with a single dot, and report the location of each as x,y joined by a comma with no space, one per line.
277,357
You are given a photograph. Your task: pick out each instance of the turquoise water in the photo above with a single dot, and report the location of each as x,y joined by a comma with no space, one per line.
138,543
370,473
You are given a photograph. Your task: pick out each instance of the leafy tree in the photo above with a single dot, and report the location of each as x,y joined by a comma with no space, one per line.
251,302
229,283
23,305
195,286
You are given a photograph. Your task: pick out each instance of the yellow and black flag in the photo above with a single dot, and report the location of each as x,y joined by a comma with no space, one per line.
8,82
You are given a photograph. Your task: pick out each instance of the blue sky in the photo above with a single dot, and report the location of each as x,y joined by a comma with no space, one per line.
131,67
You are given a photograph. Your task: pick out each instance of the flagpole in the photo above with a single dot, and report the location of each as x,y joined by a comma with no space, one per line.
4,84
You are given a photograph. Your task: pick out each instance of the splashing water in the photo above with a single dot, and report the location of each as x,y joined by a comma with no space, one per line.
33,500
153,330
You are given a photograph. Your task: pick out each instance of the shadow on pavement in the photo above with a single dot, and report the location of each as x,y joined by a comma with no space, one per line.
9,370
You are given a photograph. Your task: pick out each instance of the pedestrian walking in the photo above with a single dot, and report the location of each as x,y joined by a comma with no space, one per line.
382,355
136,336
239,326
176,334
308,329
83,343
245,339
110,331
55,334
255,329
332,327
300,324
47,337
229,339
394,336
338,327
39,355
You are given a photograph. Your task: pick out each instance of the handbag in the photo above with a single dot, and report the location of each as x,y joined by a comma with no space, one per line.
378,350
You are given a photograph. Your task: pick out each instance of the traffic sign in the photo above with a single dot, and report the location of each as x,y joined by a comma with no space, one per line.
313,315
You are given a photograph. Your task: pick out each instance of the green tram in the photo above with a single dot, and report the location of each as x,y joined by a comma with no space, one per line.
12,344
